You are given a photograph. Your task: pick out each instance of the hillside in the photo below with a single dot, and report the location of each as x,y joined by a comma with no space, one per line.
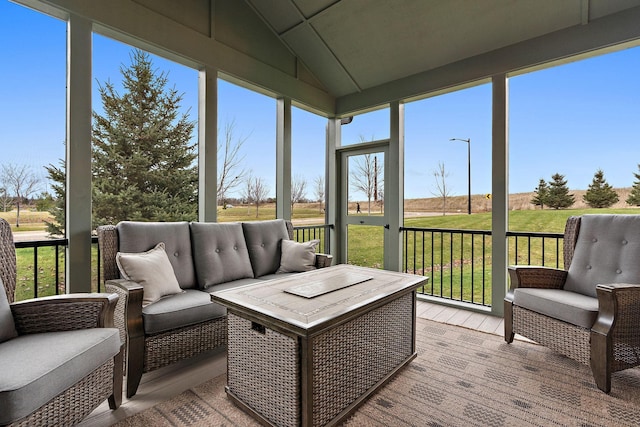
480,203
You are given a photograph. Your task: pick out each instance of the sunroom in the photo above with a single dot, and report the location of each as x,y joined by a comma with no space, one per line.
347,64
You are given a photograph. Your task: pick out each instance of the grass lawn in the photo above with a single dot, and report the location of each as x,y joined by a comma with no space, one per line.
457,263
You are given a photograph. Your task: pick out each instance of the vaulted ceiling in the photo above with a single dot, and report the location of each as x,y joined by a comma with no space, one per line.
352,46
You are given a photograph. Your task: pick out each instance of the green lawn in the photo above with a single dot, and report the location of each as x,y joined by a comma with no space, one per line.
449,277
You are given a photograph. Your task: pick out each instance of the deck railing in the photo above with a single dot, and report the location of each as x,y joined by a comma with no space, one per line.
458,262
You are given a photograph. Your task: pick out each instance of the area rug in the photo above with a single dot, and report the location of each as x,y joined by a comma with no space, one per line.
461,377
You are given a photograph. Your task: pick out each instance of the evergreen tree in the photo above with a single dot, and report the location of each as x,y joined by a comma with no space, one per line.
558,196
143,164
600,194
541,192
57,177
634,195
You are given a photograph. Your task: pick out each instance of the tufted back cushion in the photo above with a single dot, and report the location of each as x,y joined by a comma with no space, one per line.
263,242
136,236
607,251
220,253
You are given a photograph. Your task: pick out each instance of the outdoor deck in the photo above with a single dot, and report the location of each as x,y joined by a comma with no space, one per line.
164,383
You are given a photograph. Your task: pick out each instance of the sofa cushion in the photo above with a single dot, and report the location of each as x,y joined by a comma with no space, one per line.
263,241
38,367
7,326
606,251
570,307
187,308
136,236
220,253
297,257
152,270
232,284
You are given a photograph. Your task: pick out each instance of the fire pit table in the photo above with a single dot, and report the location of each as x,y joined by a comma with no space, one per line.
307,349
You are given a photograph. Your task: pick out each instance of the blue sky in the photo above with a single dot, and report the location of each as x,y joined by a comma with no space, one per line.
573,119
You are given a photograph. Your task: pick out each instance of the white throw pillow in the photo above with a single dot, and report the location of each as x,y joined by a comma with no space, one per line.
152,270
297,257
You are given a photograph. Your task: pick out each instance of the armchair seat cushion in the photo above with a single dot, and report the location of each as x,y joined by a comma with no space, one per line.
571,307
38,367
176,311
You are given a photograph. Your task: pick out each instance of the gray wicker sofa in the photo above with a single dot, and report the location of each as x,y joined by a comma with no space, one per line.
205,257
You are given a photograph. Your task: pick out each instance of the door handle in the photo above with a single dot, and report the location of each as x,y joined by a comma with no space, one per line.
386,226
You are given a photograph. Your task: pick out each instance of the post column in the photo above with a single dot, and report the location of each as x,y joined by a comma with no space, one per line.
500,193
78,164
208,145
394,189
283,159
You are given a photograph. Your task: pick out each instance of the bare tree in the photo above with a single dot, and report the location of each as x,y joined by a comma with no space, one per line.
442,189
319,190
20,182
258,191
366,177
230,171
298,190
5,199
247,190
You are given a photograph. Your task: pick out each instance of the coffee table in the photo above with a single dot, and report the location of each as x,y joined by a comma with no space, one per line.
309,348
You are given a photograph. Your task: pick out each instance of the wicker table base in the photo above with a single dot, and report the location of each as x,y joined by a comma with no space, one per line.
311,361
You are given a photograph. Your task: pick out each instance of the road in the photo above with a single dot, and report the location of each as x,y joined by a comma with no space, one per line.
29,236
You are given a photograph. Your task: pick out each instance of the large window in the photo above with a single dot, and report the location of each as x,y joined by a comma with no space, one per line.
308,153
570,122
446,137
144,136
32,114
247,120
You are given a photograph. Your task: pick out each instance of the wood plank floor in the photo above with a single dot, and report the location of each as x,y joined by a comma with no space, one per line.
164,383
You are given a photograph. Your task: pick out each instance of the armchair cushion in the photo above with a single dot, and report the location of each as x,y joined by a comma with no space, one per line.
187,308
152,270
220,253
263,242
57,360
7,326
297,257
141,236
605,252
570,307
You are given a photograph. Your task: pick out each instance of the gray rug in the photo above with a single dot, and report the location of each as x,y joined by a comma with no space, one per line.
461,377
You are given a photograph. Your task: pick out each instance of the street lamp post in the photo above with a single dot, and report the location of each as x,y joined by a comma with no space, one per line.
468,141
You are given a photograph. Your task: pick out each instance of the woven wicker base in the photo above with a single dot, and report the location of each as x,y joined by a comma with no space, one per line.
567,339
73,405
269,371
169,347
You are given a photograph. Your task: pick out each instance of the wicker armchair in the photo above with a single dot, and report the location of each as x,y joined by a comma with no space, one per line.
590,312
62,359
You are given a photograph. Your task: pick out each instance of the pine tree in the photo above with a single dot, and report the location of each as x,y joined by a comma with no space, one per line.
57,176
600,194
541,192
558,196
634,195
143,164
